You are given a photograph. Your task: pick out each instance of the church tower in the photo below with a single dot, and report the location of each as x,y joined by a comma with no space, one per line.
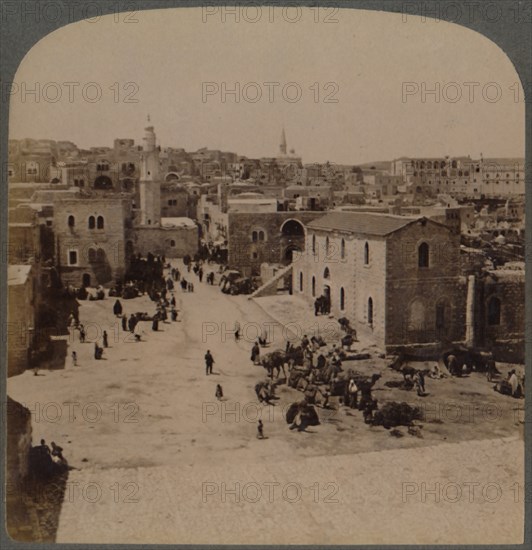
282,145
149,185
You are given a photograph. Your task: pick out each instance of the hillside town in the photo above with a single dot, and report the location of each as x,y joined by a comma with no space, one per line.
353,298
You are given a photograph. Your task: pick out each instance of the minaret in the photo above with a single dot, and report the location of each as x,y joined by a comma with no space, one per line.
282,145
149,185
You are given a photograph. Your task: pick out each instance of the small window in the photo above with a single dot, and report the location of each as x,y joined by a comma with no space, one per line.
72,257
342,299
370,311
313,244
342,249
423,255
300,281
327,246
254,236
262,236
313,286
366,254
71,221
172,243
92,222
100,222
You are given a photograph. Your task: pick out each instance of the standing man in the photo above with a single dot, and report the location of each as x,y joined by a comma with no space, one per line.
209,362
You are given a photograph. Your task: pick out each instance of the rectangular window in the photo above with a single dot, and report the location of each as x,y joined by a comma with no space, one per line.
72,257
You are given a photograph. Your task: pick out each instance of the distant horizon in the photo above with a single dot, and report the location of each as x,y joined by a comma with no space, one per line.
223,150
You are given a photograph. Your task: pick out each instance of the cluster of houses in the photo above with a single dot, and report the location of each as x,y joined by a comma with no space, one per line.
371,239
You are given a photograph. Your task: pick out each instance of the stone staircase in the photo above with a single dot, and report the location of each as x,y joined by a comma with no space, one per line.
270,287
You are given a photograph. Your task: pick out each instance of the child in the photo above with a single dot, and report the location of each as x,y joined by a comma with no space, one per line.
219,392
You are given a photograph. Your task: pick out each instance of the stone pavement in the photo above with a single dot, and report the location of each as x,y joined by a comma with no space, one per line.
464,493
294,313
134,427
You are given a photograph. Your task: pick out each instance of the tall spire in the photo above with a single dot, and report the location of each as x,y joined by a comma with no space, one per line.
282,145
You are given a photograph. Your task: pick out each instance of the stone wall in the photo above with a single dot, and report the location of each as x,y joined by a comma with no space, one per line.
21,322
508,335
247,255
340,269
100,252
424,304
172,242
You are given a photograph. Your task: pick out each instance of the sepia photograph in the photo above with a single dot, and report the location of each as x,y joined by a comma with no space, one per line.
264,274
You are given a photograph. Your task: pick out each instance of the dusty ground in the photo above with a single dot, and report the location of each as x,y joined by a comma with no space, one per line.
144,423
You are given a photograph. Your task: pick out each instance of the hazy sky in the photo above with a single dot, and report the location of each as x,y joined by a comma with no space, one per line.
170,54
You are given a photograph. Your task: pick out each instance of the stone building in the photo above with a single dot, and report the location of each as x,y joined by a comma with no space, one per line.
172,238
393,277
269,237
93,238
499,314
21,315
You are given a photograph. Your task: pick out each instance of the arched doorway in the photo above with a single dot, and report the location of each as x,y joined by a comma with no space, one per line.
292,240
103,182
292,253
327,296
86,280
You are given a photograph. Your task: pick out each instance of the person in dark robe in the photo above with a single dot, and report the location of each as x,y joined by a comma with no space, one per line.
117,308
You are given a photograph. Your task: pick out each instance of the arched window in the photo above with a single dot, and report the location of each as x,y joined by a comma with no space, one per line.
92,222
370,311
262,236
423,255
99,222
494,311
172,242
342,249
71,221
100,255
254,236
342,299
92,255
313,286
326,273
313,244
366,254
300,281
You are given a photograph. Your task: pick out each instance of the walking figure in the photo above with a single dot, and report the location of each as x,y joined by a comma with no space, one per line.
260,430
209,362
74,359
219,392
105,339
117,308
81,334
